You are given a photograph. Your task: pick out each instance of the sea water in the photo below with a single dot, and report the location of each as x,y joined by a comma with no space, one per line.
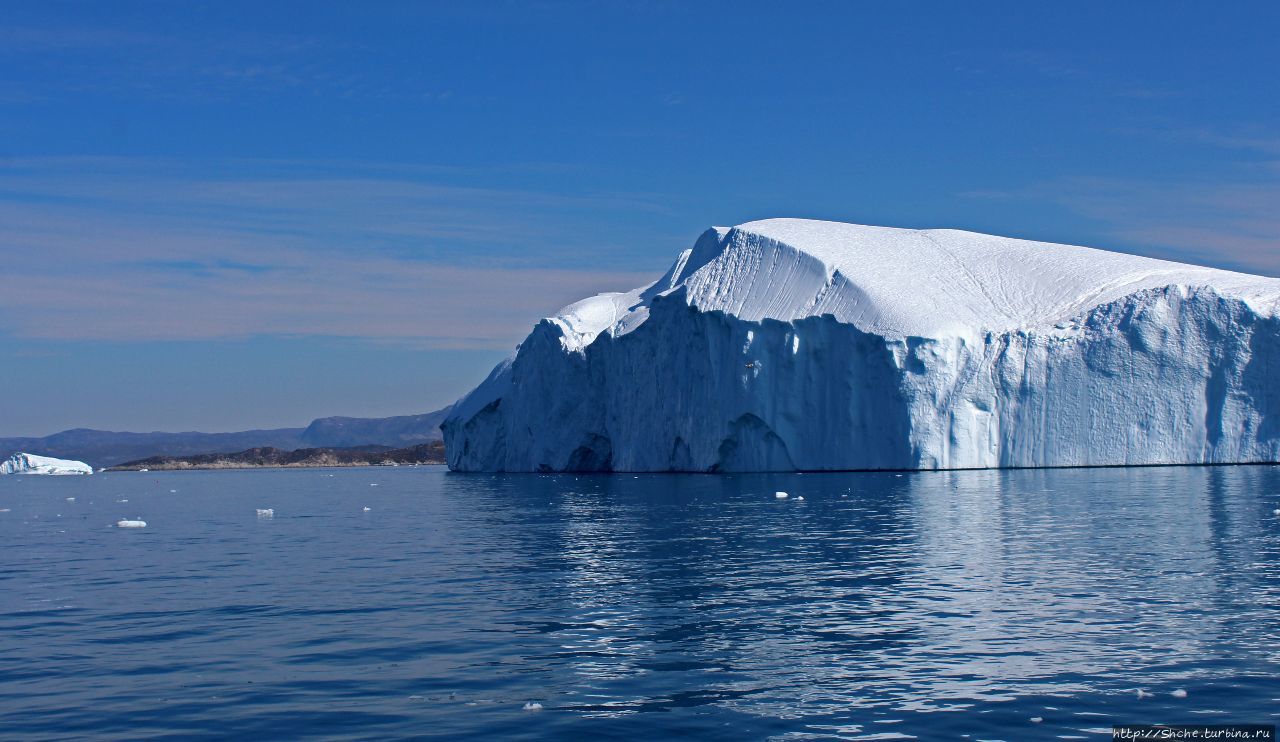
1014,605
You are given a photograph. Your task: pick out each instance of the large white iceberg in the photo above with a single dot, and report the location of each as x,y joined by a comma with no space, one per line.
791,344
26,463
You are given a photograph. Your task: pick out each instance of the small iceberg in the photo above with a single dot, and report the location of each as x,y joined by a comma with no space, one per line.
532,706
781,495
131,524
27,463
266,512
1179,693
367,508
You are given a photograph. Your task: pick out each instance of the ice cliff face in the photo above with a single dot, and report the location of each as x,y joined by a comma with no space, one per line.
802,345
26,463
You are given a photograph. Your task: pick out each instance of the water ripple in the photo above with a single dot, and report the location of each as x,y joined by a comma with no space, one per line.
923,606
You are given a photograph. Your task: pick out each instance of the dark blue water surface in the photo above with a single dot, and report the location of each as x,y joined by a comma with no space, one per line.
882,606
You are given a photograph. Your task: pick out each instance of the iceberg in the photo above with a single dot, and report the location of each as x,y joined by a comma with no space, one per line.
800,345
26,463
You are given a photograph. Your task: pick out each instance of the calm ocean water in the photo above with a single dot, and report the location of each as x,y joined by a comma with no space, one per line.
882,606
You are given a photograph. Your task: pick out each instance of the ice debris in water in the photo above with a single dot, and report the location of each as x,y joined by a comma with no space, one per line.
71,499
1276,511
1179,693
799,497
780,495
266,512
373,484
533,706
1037,719
367,508
131,524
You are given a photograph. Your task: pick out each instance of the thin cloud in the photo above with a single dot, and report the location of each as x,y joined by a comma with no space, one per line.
127,250
1231,225
1262,143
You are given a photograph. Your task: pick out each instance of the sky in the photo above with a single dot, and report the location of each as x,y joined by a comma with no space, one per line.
231,215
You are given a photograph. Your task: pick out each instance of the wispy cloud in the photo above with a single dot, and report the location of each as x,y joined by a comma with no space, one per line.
59,60
126,249
1230,220
1253,141
1226,224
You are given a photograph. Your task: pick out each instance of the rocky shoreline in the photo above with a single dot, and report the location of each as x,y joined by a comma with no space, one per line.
267,457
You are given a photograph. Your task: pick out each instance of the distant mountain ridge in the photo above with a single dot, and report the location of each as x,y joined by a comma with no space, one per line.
108,448
404,430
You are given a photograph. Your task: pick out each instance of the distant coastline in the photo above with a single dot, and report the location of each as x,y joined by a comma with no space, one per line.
268,457
104,448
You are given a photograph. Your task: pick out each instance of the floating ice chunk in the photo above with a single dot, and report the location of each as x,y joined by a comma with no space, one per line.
131,524
373,484
1179,693
1276,511
266,512
906,312
26,463
1037,719
122,500
4,510
173,490
71,499
799,497
533,706
780,495
367,508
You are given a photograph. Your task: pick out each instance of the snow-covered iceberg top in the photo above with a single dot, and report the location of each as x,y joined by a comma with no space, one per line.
800,344
26,463
899,282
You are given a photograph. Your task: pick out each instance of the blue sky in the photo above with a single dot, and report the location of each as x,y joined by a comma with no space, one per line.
229,215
